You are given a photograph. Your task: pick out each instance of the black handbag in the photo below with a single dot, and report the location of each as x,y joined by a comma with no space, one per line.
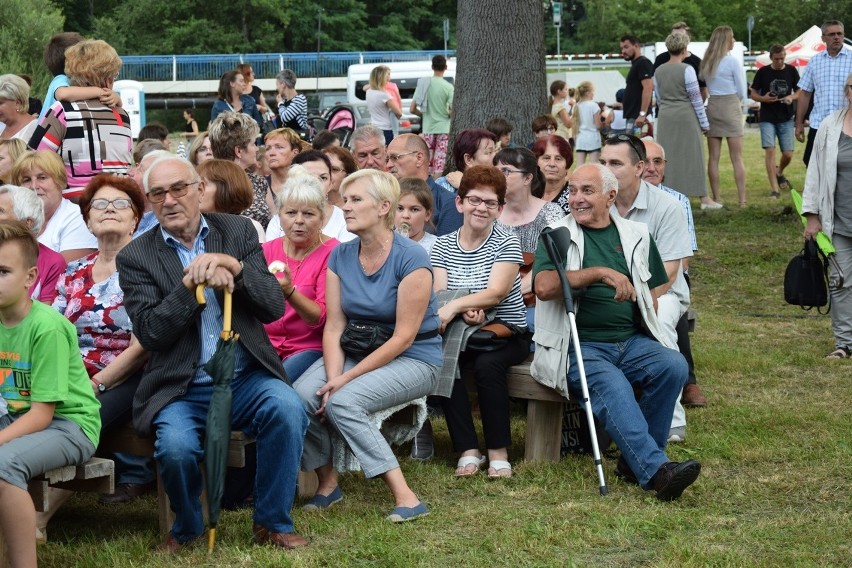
806,279
360,338
490,337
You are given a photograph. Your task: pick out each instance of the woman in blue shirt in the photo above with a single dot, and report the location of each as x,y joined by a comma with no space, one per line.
385,278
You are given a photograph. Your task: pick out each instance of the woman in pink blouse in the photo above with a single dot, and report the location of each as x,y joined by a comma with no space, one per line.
299,260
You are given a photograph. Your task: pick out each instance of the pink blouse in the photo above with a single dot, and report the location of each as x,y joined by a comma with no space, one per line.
290,334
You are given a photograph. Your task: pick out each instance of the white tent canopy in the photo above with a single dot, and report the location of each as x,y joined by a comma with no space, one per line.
800,50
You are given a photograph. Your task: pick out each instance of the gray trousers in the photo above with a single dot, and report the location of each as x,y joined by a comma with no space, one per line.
348,410
841,298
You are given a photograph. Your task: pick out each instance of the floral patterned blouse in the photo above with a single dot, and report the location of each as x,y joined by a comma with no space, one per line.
96,310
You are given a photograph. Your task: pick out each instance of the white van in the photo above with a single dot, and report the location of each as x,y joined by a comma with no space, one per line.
405,74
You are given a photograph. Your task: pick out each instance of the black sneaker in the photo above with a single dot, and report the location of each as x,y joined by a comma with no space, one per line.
423,447
783,183
673,477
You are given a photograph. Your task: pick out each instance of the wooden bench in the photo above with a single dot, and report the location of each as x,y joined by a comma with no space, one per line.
543,437
125,440
96,475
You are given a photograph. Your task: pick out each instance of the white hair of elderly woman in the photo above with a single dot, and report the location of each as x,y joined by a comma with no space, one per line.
26,205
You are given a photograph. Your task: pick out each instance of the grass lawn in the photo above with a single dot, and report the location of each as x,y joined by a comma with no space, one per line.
774,443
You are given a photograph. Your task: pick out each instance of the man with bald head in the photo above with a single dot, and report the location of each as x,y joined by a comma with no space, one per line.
622,341
159,272
408,156
655,171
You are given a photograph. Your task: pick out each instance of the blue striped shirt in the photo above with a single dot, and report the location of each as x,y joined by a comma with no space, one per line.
687,211
825,77
211,316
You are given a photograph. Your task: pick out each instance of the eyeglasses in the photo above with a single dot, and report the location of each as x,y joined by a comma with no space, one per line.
336,170
658,161
477,201
396,157
509,171
120,203
158,194
634,142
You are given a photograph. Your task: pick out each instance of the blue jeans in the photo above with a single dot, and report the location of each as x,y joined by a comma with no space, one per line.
784,131
265,408
639,428
298,363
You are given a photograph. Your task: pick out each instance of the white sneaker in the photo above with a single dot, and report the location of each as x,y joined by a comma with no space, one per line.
677,435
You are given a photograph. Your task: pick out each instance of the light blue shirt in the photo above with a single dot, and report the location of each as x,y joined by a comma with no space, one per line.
825,77
687,211
58,81
211,316
148,221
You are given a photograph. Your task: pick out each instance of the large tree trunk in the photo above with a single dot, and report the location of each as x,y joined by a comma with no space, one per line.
500,68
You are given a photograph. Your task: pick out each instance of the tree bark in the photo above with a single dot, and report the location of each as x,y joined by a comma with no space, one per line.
500,68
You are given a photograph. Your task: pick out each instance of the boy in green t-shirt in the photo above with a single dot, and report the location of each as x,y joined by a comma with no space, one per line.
53,417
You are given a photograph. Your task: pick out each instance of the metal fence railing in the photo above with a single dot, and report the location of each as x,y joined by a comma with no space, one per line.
324,64
265,65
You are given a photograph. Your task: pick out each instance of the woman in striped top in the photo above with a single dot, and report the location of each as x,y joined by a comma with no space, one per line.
485,259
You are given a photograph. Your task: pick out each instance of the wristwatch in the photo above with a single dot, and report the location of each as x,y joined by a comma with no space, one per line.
642,113
100,385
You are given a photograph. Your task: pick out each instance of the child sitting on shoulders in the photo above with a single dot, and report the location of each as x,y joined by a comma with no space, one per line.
60,88
53,417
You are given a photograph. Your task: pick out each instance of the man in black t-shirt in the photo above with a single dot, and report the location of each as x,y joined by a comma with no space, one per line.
691,59
640,83
775,87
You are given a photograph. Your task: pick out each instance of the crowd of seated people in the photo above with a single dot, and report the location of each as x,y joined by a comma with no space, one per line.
330,247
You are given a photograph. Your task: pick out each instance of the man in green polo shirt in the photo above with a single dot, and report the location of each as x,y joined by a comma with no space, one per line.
623,345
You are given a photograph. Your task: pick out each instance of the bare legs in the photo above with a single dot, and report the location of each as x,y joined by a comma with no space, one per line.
18,525
403,496
771,172
735,149
581,157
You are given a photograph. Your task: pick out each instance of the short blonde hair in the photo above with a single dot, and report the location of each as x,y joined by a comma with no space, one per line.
13,88
45,160
381,187
676,42
91,63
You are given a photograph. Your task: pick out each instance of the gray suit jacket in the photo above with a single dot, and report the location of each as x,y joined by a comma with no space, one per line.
166,318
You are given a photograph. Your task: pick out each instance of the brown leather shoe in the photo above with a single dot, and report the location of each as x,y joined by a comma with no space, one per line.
126,492
288,541
693,397
172,546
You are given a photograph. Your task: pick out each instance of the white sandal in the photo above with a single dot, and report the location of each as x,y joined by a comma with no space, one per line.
465,461
497,466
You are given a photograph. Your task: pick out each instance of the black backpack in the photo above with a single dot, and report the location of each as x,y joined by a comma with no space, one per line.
806,279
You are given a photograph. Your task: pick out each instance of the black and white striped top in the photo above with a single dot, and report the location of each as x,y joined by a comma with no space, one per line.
471,268
294,113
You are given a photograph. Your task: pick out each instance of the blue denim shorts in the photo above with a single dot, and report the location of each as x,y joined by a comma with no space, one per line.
784,132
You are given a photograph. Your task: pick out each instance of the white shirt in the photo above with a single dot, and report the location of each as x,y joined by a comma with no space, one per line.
334,227
66,230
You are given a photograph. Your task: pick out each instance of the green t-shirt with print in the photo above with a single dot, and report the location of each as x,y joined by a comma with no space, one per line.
40,362
599,316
